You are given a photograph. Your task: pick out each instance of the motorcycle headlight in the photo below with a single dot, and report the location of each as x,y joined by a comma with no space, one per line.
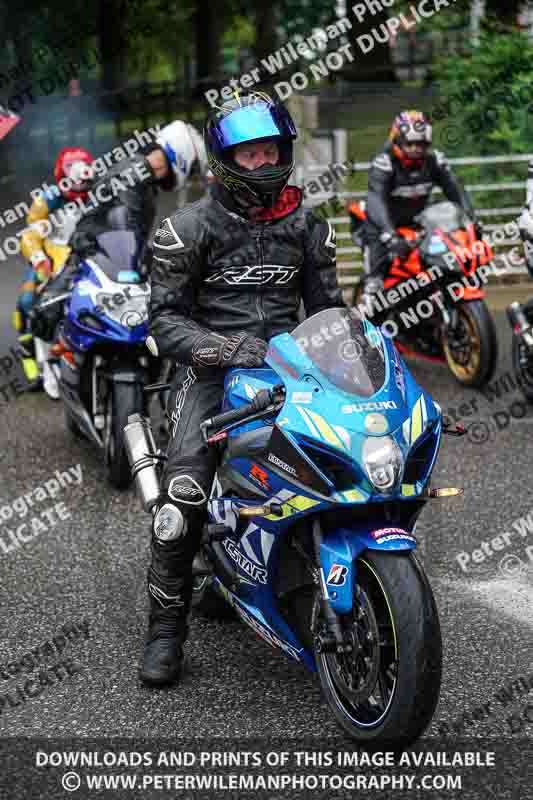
436,246
383,462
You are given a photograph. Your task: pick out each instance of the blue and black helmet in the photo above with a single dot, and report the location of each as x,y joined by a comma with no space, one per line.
250,118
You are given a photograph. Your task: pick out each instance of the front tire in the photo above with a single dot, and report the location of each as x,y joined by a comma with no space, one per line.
386,695
472,350
124,400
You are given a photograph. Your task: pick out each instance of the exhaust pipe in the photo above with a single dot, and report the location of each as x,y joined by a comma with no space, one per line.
520,323
141,452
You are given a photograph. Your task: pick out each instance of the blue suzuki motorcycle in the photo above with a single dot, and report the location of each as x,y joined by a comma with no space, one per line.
324,468
104,365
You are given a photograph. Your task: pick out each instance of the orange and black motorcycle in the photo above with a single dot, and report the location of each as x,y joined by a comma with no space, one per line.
433,302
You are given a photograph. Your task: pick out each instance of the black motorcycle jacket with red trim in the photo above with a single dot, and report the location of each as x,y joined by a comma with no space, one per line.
215,270
397,194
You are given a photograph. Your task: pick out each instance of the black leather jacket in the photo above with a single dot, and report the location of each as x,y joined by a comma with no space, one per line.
215,270
397,194
124,198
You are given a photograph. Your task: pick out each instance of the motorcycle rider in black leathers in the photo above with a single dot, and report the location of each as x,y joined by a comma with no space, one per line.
228,274
400,182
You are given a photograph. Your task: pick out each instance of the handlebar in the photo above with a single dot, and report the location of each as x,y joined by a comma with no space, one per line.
265,400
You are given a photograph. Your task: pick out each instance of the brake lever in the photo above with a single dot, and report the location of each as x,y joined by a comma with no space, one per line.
222,434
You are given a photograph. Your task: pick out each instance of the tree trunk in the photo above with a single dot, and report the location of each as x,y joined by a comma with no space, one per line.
113,40
265,30
209,27
505,11
375,65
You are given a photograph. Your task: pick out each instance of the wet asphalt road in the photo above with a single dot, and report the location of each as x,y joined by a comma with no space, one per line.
88,569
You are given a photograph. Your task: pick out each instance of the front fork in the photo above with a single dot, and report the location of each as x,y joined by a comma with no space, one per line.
332,638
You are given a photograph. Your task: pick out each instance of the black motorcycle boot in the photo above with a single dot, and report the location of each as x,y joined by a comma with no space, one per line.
163,651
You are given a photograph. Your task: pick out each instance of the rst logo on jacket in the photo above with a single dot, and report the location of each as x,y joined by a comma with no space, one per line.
337,575
255,275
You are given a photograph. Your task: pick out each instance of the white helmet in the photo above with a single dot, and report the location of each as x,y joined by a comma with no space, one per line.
183,145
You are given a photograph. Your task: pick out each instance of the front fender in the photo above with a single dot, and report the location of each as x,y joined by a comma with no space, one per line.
340,549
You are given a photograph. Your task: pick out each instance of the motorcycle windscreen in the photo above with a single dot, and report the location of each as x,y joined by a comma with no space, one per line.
346,349
118,251
446,216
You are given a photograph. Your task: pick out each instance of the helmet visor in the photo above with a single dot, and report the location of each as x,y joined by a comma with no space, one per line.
257,121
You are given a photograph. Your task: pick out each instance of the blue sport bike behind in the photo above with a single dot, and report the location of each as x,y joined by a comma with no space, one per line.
325,463
104,363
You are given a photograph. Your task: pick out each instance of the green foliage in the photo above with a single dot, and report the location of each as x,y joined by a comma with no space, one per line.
301,16
455,16
487,95
486,101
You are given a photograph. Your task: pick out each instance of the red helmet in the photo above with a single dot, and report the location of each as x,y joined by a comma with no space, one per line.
411,136
73,172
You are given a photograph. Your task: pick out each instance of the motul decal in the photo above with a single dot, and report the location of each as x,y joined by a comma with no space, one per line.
337,575
386,531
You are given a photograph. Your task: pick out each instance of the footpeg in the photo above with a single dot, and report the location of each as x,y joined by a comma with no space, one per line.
199,566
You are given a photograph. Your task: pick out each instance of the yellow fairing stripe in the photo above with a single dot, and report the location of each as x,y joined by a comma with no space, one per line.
302,503
353,496
292,506
416,421
326,430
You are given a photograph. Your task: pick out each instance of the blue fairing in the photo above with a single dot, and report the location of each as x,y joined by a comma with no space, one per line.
328,425
105,310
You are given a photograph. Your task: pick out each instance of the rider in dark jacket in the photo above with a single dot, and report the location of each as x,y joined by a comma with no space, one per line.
229,273
400,182
130,185
123,199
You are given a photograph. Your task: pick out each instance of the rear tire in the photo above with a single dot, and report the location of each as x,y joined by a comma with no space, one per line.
473,368
386,696
125,399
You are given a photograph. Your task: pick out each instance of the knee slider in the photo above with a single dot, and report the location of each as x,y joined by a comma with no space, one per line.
169,523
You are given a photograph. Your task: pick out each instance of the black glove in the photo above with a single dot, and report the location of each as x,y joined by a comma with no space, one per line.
239,350
478,230
45,318
83,242
399,247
